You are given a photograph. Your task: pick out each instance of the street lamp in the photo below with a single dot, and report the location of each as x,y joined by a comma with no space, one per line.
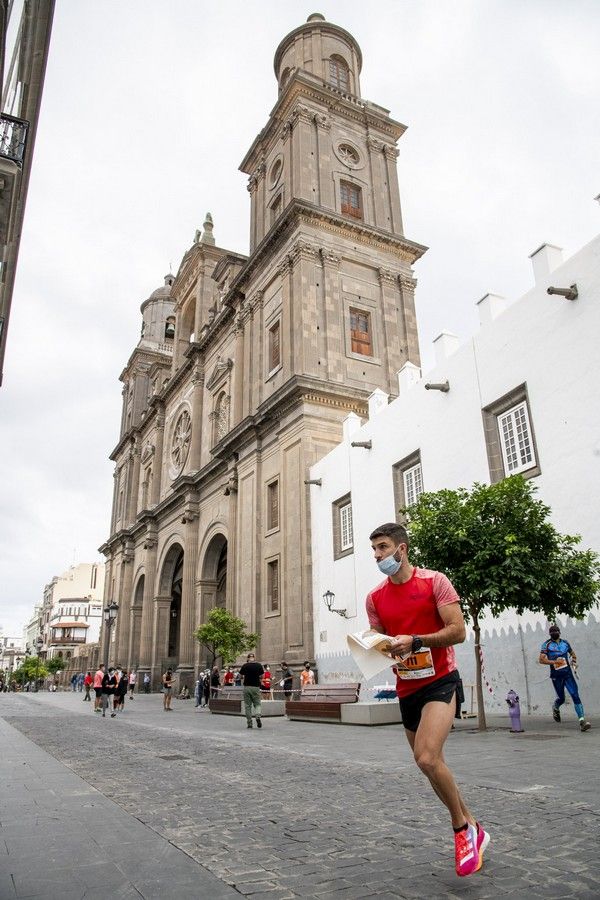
329,597
39,643
110,615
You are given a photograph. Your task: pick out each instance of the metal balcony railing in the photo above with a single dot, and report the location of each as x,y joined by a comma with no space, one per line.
13,138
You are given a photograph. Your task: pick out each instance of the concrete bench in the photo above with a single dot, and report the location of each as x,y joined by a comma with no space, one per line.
322,702
371,712
230,702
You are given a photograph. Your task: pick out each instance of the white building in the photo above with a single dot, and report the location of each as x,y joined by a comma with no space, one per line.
33,629
12,653
72,610
519,396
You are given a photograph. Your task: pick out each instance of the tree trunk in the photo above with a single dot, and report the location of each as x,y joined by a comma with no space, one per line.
481,723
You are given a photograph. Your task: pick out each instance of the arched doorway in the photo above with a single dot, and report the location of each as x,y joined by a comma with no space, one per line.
214,576
168,618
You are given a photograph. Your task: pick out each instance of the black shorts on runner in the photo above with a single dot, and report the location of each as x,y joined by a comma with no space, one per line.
98,692
411,707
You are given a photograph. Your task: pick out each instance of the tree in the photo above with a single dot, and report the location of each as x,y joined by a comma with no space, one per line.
225,636
500,550
55,664
30,669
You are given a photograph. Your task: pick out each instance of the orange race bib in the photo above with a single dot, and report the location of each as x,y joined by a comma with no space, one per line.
560,663
417,665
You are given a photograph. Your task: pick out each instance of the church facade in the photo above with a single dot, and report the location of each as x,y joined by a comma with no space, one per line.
248,365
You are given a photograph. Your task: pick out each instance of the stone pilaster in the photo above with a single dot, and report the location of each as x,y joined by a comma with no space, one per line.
195,460
407,290
145,651
161,609
158,455
332,318
391,154
188,597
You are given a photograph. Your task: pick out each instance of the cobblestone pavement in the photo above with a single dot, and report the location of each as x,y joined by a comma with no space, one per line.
325,811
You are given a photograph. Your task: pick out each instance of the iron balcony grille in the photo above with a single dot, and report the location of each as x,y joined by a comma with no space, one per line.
13,138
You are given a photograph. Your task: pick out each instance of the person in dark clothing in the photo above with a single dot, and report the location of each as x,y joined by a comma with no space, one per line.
205,688
215,682
121,692
109,684
286,681
252,673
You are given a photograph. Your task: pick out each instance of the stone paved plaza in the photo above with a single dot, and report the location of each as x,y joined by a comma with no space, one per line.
190,805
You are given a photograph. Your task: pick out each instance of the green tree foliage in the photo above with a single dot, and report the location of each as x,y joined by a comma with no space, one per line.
225,636
30,669
500,550
55,664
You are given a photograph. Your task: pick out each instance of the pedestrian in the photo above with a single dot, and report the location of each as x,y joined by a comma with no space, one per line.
109,684
132,681
74,681
80,680
87,683
228,677
237,678
251,674
307,676
198,691
267,681
167,689
420,611
98,681
559,655
120,692
184,693
206,687
215,682
286,681
146,682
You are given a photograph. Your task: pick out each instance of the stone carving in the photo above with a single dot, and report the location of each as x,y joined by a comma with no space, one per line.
222,417
180,443
322,121
147,452
220,370
386,275
375,144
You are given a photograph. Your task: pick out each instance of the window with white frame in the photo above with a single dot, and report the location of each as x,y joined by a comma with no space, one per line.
346,538
515,439
407,478
510,437
413,484
343,537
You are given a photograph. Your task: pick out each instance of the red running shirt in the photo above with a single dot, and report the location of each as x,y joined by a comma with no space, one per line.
412,608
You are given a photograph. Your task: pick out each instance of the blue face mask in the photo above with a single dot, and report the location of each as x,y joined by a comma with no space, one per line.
389,565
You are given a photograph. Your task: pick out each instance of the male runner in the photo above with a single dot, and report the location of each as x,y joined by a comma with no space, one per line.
555,653
420,610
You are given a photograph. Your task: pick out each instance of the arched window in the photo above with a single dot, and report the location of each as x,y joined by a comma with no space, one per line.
339,74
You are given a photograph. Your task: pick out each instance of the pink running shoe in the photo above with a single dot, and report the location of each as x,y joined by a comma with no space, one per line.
466,854
483,840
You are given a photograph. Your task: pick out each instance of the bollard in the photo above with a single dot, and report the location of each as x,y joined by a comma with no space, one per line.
514,711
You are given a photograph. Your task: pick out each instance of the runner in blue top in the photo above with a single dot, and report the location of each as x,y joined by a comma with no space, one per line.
558,654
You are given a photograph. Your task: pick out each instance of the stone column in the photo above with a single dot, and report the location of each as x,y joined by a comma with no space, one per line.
305,176
326,186
287,318
124,599
391,154
332,316
188,622
133,646
197,411
145,654
383,218
303,309
133,481
407,290
253,212
158,455
161,608
390,346
238,372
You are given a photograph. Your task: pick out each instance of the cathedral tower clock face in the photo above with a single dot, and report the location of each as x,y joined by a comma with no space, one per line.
180,442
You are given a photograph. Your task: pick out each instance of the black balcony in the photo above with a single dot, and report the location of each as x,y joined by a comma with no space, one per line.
13,138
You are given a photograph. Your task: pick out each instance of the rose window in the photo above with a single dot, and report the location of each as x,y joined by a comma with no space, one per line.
348,155
182,435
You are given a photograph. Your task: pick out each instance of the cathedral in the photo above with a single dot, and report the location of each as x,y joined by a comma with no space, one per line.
247,365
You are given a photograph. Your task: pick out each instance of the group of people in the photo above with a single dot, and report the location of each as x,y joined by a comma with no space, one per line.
109,684
210,682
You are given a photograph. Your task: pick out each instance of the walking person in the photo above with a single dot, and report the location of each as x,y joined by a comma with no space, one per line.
146,682
132,681
121,692
286,681
74,682
206,687
215,682
420,611
228,677
98,681
109,682
80,680
167,689
251,673
559,655
87,684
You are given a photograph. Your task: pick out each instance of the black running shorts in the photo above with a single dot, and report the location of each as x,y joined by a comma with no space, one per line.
411,707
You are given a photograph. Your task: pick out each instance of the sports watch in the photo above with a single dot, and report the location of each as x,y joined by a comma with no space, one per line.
417,643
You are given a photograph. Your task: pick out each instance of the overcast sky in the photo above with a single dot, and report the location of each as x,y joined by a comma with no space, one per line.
149,107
